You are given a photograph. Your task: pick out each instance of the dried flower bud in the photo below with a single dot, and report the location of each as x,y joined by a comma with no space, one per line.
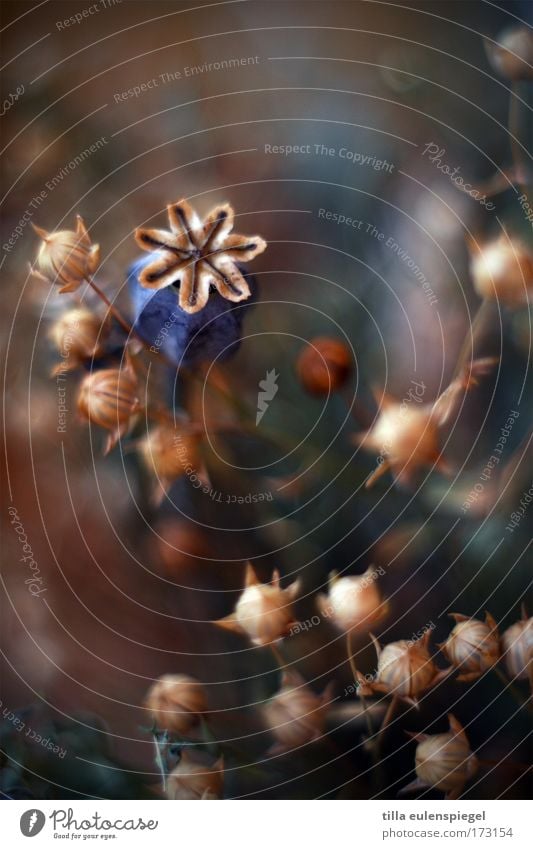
109,399
354,602
67,258
324,365
517,647
502,270
405,437
264,611
513,56
444,761
406,669
176,703
472,646
169,453
192,780
296,715
78,335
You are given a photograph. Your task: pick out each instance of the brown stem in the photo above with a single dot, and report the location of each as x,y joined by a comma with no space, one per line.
355,675
467,348
278,657
387,719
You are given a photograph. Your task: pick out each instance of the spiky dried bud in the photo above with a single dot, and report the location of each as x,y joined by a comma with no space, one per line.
473,646
513,56
168,453
354,602
264,611
517,648
405,437
196,256
110,398
66,257
296,715
324,365
79,335
406,669
502,270
176,703
192,780
444,761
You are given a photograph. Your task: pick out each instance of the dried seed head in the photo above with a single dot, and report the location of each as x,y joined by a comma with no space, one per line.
513,56
78,335
473,646
324,365
296,715
264,611
502,270
405,669
176,703
517,647
354,602
192,780
195,256
66,257
109,399
168,453
445,761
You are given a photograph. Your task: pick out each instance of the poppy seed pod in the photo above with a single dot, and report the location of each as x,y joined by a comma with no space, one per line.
502,270
264,611
296,715
176,703
513,56
324,365
192,780
197,256
78,335
406,669
444,761
109,398
168,453
354,602
473,646
67,257
517,647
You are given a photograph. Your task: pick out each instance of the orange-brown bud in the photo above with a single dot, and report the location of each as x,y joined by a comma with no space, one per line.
66,257
296,715
324,365
502,270
517,645
176,703
354,602
78,335
264,612
473,646
168,453
444,761
109,398
513,56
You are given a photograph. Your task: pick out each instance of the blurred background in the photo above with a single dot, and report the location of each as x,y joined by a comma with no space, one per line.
134,105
